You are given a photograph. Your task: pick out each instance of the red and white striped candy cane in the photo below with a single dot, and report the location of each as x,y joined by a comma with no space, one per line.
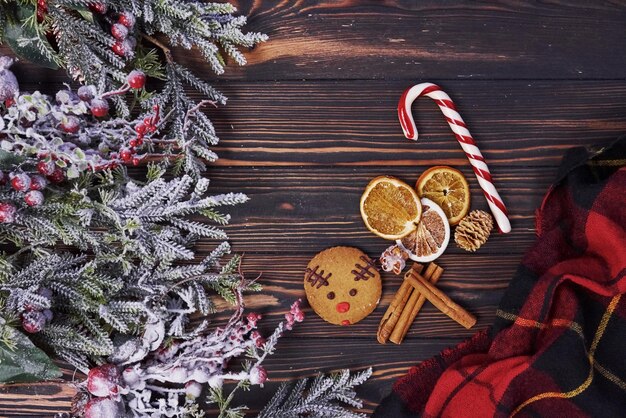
476,159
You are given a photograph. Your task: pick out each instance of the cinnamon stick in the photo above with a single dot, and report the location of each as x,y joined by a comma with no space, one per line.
441,301
414,304
391,316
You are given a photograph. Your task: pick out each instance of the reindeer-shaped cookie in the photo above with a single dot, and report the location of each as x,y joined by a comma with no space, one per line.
342,285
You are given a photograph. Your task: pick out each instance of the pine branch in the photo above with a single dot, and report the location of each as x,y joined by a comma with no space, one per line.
324,397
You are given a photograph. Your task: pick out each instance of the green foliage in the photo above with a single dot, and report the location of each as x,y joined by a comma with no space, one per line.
137,236
83,45
324,397
27,39
20,360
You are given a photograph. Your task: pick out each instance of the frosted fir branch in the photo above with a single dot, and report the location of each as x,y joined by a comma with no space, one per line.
93,52
325,396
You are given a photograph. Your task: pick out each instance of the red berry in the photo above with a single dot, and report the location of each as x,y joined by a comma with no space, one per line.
33,320
136,79
132,143
126,154
135,161
119,31
139,141
140,128
37,182
147,121
7,213
57,176
100,8
103,380
118,48
71,125
99,107
103,408
20,182
34,198
123,48
41,14
46,167
127,19
9,102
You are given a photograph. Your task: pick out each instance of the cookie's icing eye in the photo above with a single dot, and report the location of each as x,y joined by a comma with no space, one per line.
316,278
331,295
364,272
352,292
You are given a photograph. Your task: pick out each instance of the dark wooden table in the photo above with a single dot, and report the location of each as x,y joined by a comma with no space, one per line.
312,119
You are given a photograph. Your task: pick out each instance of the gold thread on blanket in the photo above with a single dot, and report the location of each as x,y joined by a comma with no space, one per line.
610,376
580,389
557,322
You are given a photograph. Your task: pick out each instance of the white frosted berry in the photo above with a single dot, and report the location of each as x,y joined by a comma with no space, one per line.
34,198
7,213
20,181
103,380
104,408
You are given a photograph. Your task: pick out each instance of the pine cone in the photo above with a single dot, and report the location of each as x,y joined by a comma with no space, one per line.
473,230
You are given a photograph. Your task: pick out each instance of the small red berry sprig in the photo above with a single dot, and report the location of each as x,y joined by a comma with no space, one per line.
148,125
98,105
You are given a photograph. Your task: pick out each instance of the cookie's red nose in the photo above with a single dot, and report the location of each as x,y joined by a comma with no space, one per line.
343,307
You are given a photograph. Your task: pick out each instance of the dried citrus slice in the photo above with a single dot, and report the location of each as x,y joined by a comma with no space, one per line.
431,237
390,208
448,188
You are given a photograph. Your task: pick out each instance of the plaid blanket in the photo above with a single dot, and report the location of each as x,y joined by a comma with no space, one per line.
558,345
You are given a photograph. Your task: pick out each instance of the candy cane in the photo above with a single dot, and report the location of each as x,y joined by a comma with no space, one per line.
464,137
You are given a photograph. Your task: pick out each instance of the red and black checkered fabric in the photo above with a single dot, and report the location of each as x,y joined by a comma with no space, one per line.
558,346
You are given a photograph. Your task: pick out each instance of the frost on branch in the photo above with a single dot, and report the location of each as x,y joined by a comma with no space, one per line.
101,43
154,376
326,396
138,235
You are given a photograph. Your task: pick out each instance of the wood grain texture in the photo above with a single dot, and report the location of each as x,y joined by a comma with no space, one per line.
312,119
405,39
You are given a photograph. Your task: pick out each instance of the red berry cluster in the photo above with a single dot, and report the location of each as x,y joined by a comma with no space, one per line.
30,186
34,318
148,125
125,43
48,168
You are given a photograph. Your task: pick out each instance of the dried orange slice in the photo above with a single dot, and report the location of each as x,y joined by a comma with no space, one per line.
431,237
448,188
390,208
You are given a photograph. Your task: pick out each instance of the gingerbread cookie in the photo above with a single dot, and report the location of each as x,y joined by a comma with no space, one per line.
342,285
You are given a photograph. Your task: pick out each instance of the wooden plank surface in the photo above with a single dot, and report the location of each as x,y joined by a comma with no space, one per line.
312,119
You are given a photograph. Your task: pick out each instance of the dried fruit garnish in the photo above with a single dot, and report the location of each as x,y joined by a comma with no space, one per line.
432,235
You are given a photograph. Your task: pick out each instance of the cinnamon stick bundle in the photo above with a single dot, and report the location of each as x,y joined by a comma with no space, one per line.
414,304
396,307
440,300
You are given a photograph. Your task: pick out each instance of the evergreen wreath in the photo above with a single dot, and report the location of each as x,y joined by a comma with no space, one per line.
98,268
